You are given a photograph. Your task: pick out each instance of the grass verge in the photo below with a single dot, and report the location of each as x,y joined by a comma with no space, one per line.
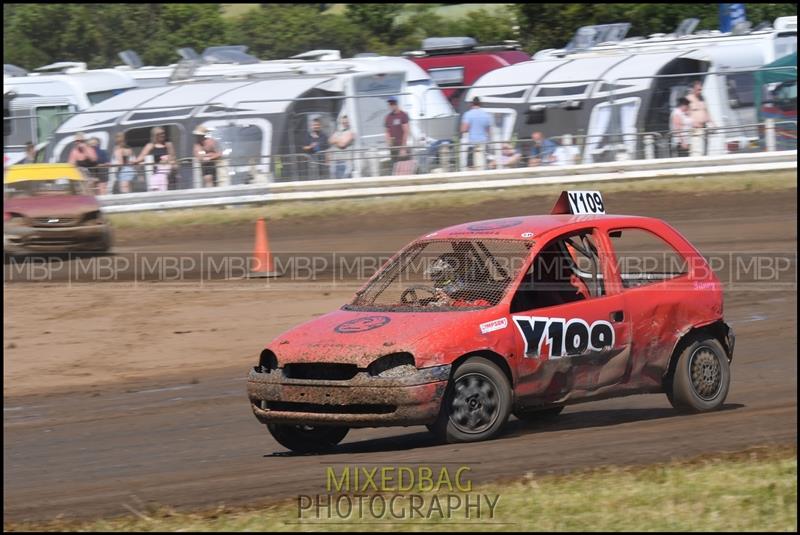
766,181
744,491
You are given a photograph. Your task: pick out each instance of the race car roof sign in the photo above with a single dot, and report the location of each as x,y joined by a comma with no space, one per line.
579,202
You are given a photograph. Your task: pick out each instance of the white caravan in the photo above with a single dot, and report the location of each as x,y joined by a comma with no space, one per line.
40,101
608,88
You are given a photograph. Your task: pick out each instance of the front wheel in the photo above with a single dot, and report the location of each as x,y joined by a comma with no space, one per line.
701,378
476,404
307,438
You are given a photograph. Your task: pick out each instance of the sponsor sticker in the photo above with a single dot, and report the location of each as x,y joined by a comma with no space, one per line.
359,325
494,325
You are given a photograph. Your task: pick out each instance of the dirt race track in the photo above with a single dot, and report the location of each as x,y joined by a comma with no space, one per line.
122,394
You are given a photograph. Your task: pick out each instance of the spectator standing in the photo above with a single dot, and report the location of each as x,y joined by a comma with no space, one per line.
163,155
206,152
342,142
100,170
476,123
122,157
567,153
697,106
542,150
680,127
316,144
698,111
396,124
83,156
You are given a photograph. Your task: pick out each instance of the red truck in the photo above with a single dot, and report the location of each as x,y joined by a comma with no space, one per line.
459,61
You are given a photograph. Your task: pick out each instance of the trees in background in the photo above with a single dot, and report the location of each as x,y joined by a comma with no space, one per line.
553,25
37,34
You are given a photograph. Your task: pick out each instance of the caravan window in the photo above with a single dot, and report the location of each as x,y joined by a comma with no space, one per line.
48,119
244,145
448,75
21,128
100,96
371,110
137,138
741,88
562,91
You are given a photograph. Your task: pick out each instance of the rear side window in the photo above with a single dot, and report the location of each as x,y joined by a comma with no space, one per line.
644,258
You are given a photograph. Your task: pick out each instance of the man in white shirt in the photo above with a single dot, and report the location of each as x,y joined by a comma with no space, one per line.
567,153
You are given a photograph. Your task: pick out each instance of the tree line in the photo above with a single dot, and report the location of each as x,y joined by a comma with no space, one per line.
38,34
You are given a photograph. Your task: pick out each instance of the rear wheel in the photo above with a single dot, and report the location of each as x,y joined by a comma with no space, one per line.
307,438
701,378
476,404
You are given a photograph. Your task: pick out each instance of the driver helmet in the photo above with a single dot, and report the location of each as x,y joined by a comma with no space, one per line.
443,275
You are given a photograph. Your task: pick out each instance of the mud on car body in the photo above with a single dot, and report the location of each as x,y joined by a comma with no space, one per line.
521,315
48,208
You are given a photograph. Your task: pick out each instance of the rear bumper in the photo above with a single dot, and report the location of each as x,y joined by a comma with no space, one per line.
364,401
23,239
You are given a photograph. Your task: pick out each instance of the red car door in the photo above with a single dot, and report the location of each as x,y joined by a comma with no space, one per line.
570,322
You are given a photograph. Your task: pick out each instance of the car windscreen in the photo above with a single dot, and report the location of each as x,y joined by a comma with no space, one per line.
439,275
40,188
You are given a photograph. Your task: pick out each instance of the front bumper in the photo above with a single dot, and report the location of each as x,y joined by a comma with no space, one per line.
25,239
363,401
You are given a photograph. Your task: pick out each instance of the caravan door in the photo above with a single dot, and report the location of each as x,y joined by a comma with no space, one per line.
369,112
502,129
612,131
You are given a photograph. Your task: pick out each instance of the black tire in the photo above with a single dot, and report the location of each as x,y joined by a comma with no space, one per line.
476,404
106,242
701,378
308,438
542,415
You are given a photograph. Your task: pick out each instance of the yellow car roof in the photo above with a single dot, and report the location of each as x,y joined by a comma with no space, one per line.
41,171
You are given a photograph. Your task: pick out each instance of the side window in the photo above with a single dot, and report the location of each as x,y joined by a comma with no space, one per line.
48,119
137,138
567,269
242,146
644,258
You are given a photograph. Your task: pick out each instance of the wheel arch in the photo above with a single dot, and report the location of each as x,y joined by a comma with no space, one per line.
719,330
491,356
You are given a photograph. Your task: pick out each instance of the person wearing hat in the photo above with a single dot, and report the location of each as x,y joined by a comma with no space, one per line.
207,153
396,124
83,156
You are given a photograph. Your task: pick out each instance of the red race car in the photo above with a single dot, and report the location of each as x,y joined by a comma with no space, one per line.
521,315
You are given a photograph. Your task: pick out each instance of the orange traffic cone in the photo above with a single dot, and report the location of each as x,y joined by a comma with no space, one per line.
262,258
